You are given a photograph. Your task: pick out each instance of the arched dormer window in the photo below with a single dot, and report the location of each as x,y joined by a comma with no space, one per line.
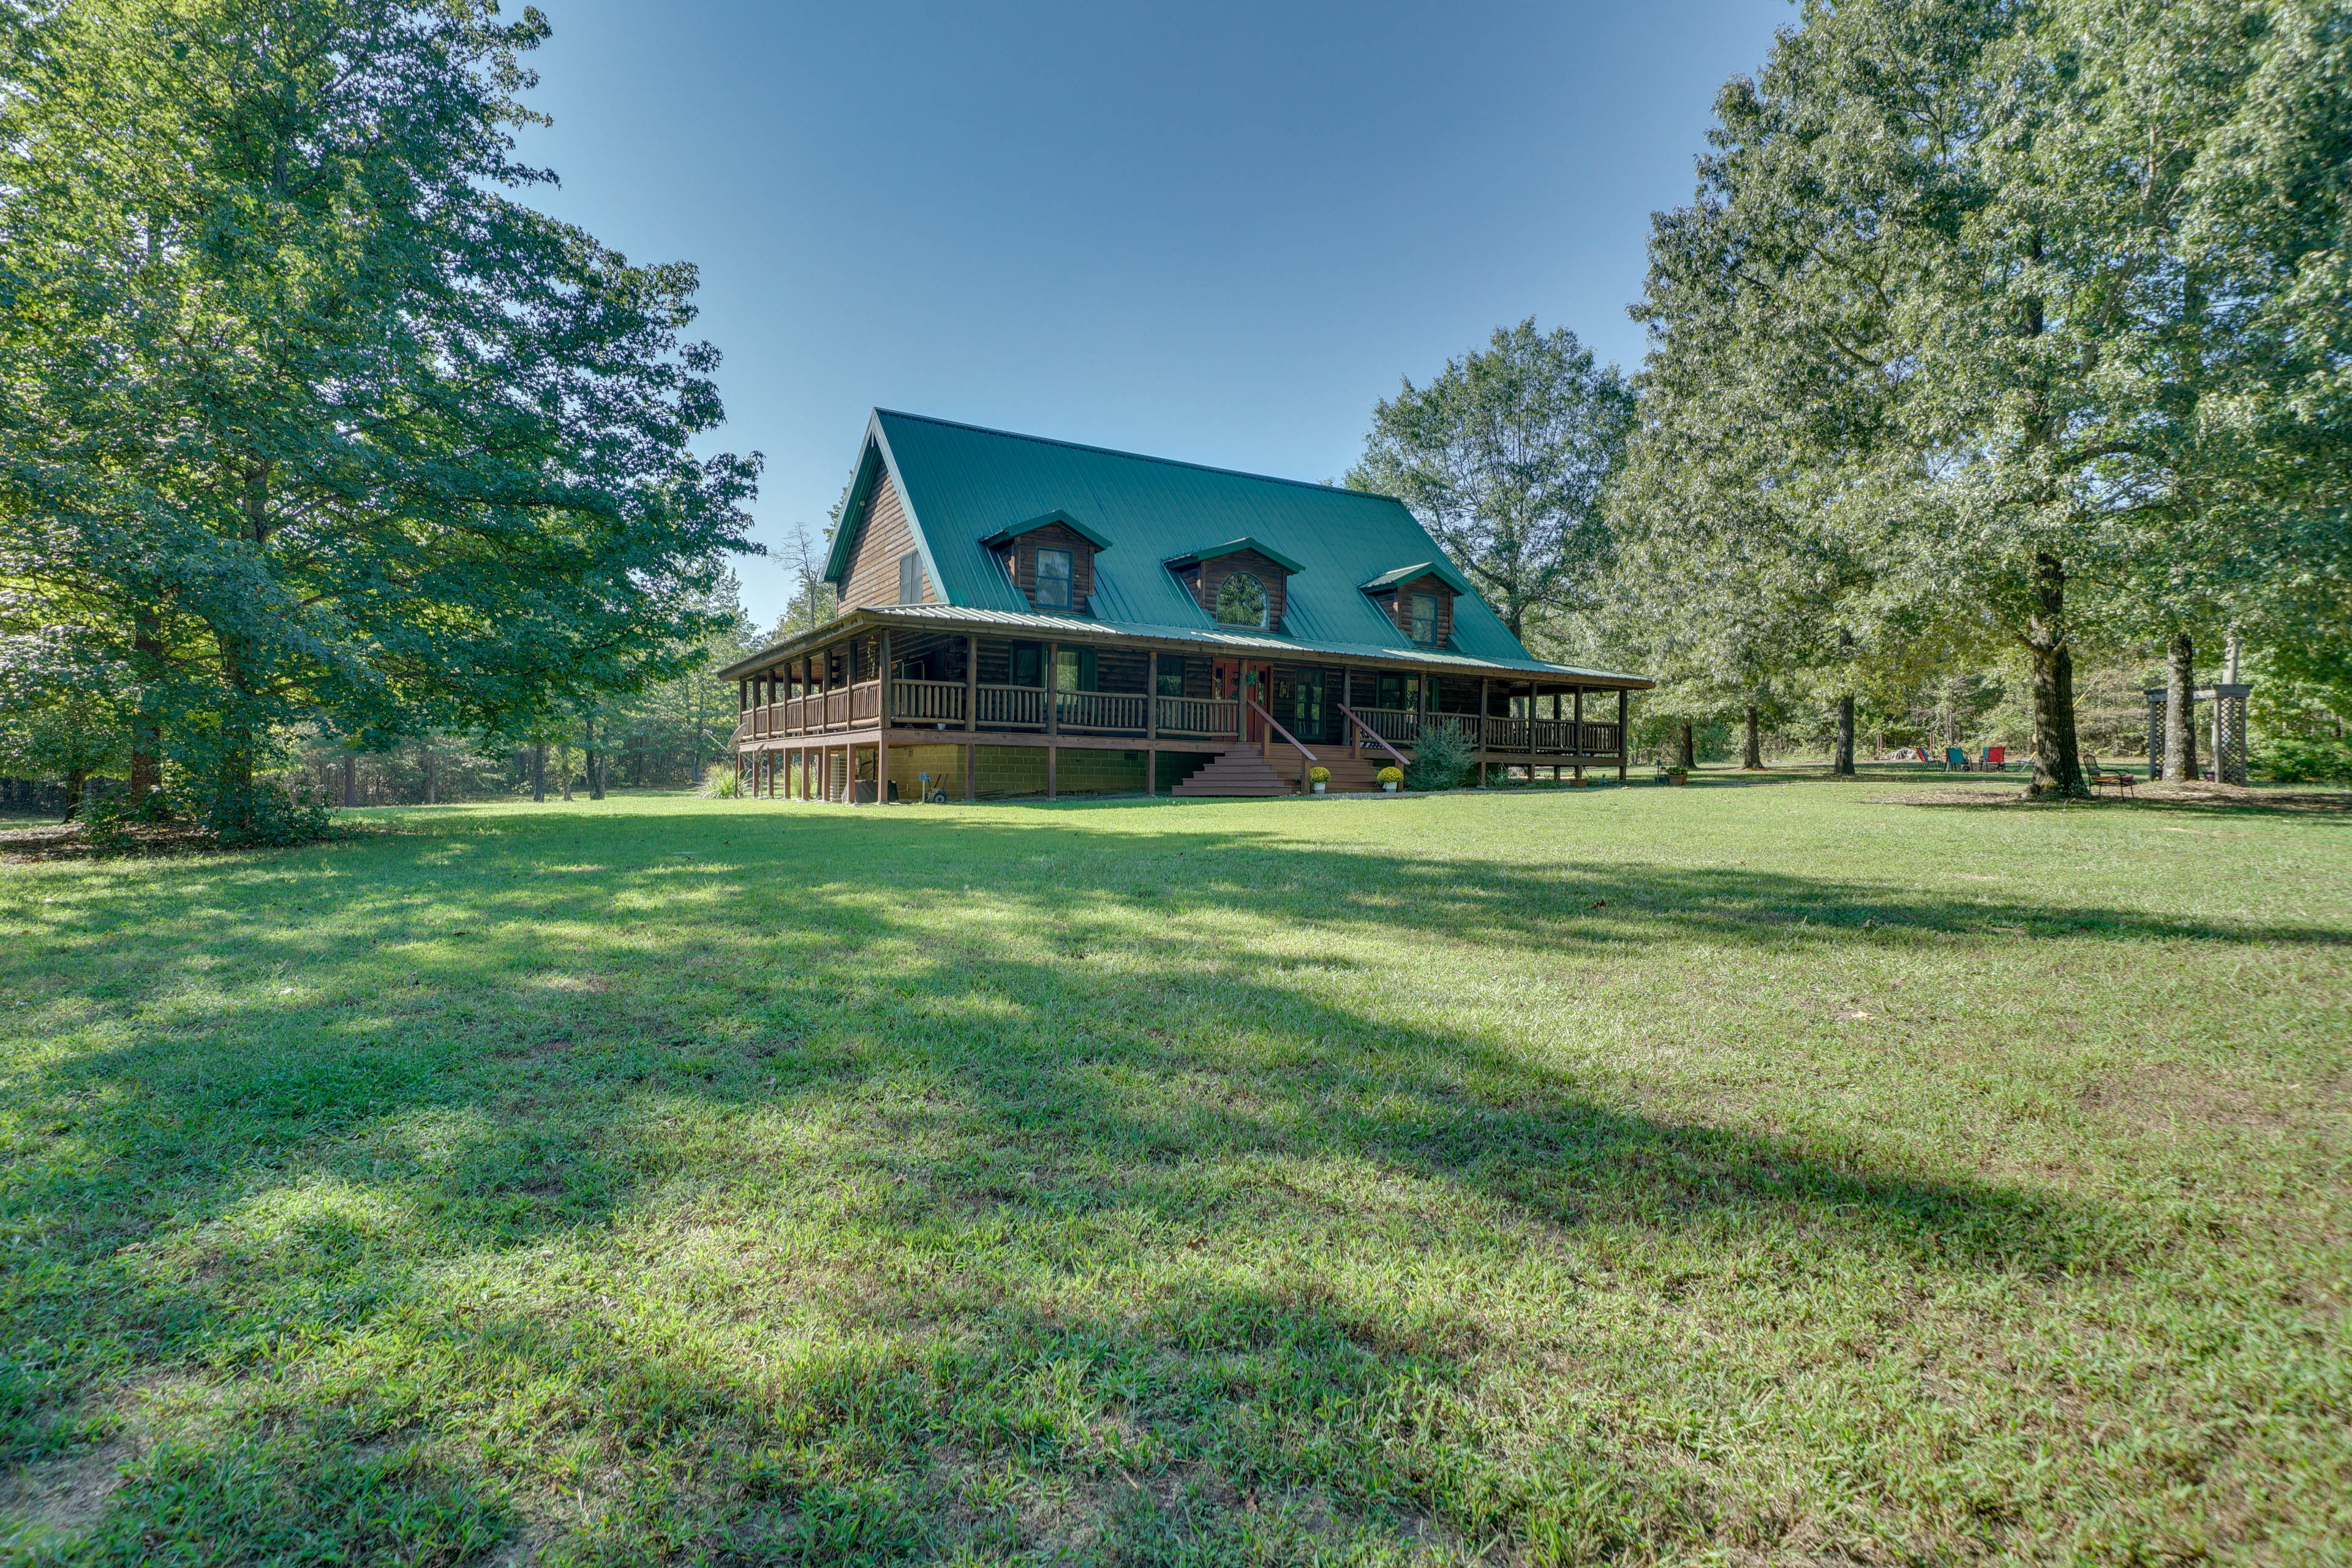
1241,582
1241,601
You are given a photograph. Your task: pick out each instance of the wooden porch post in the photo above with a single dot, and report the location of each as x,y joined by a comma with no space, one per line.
1151,701
1620,734
882,725
1151,767
970,693
1531,734
1053,717
1579,748
1482,732
1052,690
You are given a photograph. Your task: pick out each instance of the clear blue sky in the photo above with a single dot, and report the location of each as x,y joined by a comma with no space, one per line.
1209,231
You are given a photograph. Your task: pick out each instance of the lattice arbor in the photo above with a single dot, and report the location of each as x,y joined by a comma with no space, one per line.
2227,734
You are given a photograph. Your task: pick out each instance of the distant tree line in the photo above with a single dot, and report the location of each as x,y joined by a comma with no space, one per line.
2003,348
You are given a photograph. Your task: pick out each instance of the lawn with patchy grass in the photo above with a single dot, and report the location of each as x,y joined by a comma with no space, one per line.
1742,1173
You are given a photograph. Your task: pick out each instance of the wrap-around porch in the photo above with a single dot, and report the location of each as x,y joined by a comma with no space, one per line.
823,723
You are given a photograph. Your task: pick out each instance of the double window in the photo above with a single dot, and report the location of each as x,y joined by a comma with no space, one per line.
1052,580
1424,619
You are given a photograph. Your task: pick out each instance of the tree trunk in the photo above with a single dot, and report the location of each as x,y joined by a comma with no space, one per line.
2180,708
1687,757
539,773
2057,762
595,773
1751,757
425,755
351,780
1842,765
146,724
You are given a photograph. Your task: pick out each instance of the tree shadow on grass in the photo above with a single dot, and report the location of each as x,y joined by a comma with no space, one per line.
1096,1185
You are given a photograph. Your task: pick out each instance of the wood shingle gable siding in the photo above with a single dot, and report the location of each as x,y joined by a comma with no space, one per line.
1021,556
882,537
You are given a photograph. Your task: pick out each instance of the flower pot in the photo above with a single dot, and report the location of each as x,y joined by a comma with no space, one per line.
1387,788
1678,778
1319,788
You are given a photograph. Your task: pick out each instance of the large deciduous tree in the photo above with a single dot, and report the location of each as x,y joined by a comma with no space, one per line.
1504,457
1999,302
303,414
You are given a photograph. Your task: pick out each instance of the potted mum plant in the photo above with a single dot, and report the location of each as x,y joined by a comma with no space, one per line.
1317,778
1390,777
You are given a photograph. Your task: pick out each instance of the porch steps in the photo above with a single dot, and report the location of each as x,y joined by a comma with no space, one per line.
1246,772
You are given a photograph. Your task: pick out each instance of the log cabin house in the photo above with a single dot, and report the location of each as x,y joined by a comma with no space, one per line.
1019,616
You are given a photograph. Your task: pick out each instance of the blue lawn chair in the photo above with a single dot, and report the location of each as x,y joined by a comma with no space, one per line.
1956,761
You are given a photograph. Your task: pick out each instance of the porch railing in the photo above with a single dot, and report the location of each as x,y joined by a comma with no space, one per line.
1116,711
1190,718
1307,758
1012,707
926,701
1363,731
1211,718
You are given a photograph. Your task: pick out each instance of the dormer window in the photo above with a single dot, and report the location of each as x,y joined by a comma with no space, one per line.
1419,600
1052,579
1241,601
1050,561
1241,582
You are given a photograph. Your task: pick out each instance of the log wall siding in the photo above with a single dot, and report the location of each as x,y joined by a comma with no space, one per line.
1022,563
883,537
1207,577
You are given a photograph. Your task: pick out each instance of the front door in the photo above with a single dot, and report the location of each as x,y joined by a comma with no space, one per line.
1251,690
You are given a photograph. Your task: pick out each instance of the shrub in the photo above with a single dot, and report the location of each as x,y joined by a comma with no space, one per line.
1440,759
722,781
265,814
1391,774
2305,762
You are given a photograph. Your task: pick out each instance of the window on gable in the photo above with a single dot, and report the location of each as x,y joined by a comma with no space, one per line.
1241,601
1424,619
1052,580
911,578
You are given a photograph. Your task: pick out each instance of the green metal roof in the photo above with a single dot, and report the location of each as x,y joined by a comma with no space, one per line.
961,484
1234,547
1006,535
1440,568
1043,625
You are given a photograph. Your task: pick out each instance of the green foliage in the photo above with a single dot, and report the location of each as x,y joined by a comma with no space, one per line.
1442,759
1997,326
267,814
1503,457
722,781
2292,761
303,416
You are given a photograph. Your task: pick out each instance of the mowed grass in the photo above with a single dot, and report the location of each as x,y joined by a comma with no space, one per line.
1737,1173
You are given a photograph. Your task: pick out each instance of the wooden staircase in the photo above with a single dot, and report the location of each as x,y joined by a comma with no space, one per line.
1245,770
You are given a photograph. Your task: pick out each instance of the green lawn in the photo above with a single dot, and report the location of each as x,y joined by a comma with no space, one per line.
1739,1174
